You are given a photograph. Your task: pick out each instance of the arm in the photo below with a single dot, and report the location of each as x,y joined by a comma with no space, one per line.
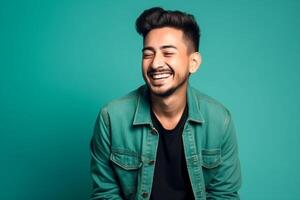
104,182
227,181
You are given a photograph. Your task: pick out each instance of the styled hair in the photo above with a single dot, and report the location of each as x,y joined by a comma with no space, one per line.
157,17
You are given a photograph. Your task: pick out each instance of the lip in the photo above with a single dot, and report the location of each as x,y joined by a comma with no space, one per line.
160,75
159,78
159,71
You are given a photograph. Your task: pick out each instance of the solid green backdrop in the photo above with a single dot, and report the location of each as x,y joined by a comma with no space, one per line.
62,60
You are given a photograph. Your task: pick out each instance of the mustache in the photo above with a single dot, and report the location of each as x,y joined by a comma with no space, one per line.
160,70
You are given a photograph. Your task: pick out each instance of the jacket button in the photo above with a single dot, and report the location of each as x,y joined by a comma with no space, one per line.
154,131
151,162
145,194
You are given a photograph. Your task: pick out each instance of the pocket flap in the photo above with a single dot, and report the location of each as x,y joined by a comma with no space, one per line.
125,161
211,158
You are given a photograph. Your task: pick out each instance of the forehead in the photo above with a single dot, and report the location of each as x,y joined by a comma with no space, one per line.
164,36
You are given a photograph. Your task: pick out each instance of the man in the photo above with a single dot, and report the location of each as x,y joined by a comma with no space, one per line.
165,140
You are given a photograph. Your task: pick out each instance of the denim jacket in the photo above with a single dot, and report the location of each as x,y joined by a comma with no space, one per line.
124,145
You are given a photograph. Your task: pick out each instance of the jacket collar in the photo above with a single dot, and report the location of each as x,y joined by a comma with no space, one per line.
142,113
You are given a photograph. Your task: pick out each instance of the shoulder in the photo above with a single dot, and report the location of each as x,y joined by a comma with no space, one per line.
123,105
213,111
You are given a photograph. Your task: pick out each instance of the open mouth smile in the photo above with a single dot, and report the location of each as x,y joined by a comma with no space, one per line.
160,75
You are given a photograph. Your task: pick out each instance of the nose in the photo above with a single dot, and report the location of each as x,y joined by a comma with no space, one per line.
158,61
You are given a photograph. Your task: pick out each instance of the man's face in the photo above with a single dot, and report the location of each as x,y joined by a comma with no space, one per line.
166,61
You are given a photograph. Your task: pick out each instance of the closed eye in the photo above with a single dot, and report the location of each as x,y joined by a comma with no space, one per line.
147,55
168,54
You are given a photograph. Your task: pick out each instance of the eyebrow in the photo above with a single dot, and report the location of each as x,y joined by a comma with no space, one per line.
162,47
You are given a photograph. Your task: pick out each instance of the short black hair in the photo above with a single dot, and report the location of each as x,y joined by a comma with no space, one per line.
157,17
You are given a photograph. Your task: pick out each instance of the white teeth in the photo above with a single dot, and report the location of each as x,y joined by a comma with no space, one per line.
160,76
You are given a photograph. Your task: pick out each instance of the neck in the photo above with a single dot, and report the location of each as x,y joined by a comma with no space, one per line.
172,106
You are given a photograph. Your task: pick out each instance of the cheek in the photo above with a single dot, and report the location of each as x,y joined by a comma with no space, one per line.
180,66
143,64
146,65
144,68
178,60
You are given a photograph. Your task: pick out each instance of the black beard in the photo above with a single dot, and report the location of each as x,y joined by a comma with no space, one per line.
161,69
171,90
167,93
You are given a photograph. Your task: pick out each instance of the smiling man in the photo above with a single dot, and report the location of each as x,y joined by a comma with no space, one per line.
165,140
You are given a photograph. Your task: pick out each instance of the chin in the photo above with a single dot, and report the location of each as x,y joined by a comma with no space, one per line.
167,90
162,92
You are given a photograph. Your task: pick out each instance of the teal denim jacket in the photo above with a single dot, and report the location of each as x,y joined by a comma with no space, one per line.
124,144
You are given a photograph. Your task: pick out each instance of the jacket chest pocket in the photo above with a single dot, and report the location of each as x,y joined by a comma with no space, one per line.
126,164
211,160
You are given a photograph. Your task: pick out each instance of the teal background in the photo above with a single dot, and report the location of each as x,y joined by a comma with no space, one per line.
62,60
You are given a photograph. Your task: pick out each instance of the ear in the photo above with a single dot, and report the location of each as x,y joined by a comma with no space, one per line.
194,62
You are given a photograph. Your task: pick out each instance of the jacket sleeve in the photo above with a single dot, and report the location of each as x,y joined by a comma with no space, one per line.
104,182
227,181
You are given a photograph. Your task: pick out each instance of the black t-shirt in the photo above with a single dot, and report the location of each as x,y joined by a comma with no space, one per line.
171,179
